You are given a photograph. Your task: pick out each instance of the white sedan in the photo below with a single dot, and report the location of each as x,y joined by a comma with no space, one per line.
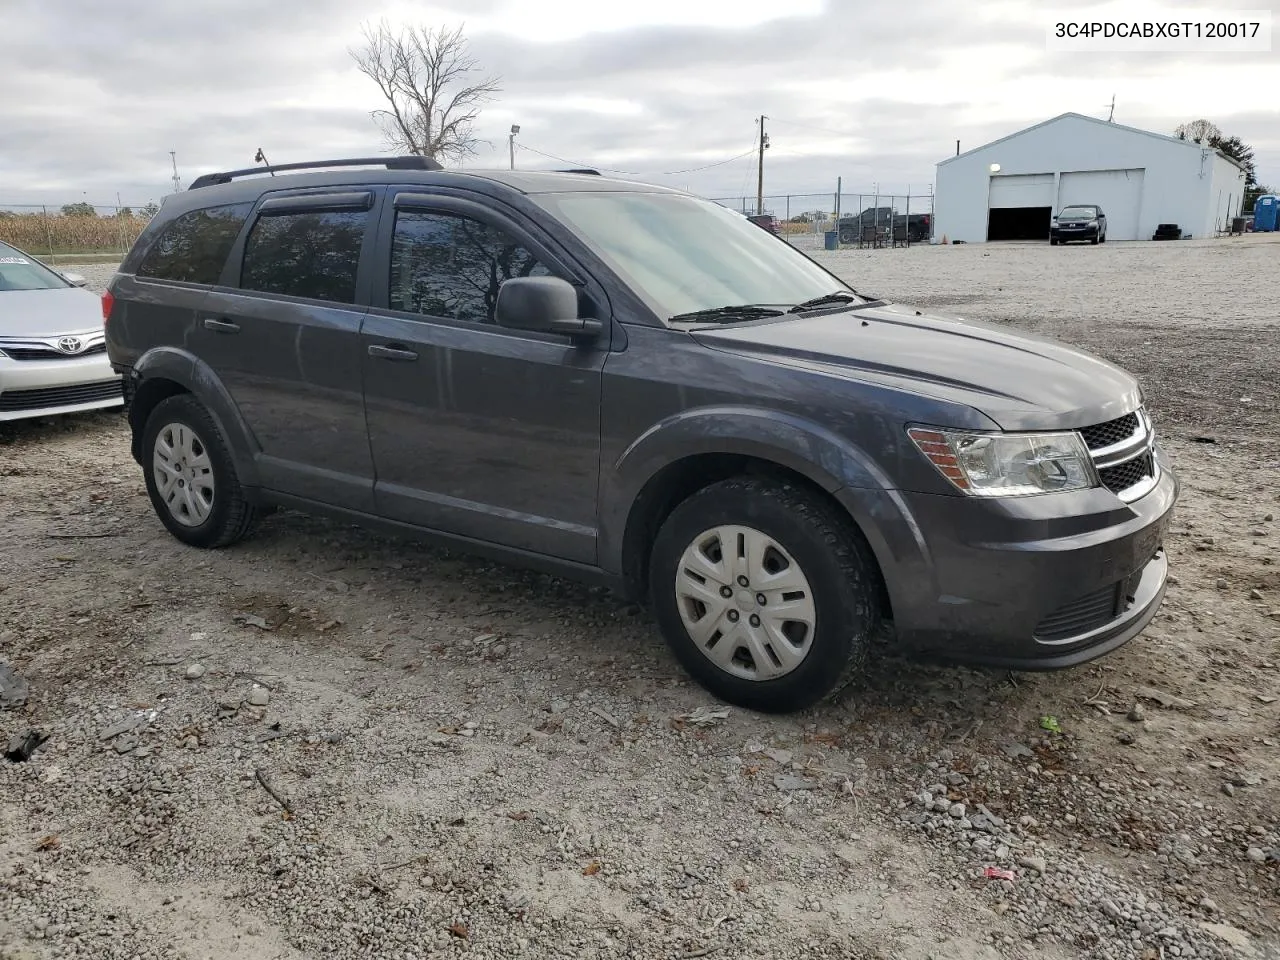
53,353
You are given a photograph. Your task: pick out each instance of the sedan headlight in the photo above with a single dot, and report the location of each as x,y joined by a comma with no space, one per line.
1008,464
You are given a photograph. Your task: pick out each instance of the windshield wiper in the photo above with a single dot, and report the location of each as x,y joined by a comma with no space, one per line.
745,311
827,299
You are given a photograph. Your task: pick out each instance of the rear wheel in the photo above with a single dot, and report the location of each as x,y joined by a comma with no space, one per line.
1094,240
765,593
1053,242
191,478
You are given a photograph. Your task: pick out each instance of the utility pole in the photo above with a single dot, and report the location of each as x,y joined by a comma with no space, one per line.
764,142
1111,115
957,148
177,184
511,143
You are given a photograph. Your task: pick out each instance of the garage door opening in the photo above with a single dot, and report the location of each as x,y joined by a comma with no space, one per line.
1019,223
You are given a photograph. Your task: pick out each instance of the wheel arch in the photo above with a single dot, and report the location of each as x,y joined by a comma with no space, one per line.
166,372
673,461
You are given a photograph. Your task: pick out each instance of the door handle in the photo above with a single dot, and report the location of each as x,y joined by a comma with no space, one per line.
221,326
392,353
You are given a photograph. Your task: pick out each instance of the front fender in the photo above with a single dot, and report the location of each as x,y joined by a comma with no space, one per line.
809,449
197,378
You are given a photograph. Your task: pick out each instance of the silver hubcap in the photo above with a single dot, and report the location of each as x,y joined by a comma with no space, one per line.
183,474
745,602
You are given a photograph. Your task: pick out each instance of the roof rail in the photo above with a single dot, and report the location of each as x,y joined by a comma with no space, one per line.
586,170
391,163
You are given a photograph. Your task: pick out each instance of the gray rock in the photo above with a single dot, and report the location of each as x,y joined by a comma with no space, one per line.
195,671
1229,789
787,783
499,651
941,805
258,697
956,810
1256,854
1137,714
124,726
1222,583
126,744
1110,909
1015,750
1033,863
13,688
1255,594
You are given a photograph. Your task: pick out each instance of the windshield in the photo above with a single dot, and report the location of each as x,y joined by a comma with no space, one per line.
1077,213
20,272
682,254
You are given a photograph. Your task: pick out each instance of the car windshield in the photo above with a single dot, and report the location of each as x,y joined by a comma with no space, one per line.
684,255
1077,213
20,272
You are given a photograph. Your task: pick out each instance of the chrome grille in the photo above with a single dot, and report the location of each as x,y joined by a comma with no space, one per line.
1111,432
1128,474
1123,452
42,352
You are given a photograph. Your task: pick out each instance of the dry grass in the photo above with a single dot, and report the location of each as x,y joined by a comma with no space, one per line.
38,233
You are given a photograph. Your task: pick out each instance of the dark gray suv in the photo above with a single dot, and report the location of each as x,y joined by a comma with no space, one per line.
635,387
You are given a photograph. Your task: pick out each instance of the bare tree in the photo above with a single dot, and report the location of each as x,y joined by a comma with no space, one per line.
424,74
1198,131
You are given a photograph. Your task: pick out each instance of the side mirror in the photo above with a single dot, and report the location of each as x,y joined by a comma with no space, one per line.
74,279
546,305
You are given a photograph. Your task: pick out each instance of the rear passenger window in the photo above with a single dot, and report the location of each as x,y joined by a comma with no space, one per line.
194,247
444,265
312,255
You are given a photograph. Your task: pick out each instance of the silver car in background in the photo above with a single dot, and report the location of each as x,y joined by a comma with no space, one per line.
53,355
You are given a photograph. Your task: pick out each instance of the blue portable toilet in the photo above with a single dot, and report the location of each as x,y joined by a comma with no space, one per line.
1265,213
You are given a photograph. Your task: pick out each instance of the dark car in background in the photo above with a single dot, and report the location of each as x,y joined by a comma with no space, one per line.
885,221
1078,222
634,387
766,221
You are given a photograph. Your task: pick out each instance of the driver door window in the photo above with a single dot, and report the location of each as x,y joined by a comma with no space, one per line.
450,266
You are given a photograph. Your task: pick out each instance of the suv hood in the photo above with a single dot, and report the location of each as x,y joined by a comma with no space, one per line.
1020,381
48,313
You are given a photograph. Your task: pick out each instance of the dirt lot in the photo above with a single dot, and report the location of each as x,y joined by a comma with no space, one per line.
472,761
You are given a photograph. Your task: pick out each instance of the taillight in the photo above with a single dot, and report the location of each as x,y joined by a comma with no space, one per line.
108,301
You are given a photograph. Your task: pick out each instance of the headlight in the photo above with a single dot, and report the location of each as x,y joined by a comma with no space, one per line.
1008,464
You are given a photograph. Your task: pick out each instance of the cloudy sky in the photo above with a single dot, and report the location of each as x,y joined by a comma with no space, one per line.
97,94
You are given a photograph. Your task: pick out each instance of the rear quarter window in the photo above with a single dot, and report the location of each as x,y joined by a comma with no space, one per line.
193,248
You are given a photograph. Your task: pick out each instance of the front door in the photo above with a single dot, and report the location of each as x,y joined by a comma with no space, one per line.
283,335
477,430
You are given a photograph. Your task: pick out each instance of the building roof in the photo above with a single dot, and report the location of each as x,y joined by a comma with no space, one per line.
1104,123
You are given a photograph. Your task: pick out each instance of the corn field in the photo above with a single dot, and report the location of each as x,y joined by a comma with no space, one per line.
52,234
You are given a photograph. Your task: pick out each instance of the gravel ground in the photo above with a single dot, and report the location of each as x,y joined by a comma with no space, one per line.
322,743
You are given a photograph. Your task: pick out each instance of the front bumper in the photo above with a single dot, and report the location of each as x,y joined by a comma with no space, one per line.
1065,234
1033,583
39,388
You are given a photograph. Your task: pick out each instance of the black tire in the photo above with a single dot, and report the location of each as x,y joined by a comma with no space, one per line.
1053,242
1103,238
231,517
834,558
1094,241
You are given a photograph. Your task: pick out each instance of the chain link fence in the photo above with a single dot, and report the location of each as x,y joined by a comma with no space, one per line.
817,221
70,232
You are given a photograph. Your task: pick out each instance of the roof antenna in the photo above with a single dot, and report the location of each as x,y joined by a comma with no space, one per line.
261,157
1111,115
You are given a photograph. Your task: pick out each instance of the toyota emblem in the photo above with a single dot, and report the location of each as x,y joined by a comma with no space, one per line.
70,344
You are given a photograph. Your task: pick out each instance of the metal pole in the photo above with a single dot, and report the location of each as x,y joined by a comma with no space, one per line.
511,145
957,148
908,216
760,169
48,231
839,182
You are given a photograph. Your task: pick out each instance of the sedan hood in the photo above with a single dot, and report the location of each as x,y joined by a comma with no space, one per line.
48,313
1020,381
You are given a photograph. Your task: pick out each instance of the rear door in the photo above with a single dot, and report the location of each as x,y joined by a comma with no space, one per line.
282,332
479,430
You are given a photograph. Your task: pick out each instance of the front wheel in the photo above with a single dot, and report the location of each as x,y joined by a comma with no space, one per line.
191,478
765,593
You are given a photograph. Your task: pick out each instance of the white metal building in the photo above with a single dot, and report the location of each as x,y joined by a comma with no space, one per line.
1010,188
